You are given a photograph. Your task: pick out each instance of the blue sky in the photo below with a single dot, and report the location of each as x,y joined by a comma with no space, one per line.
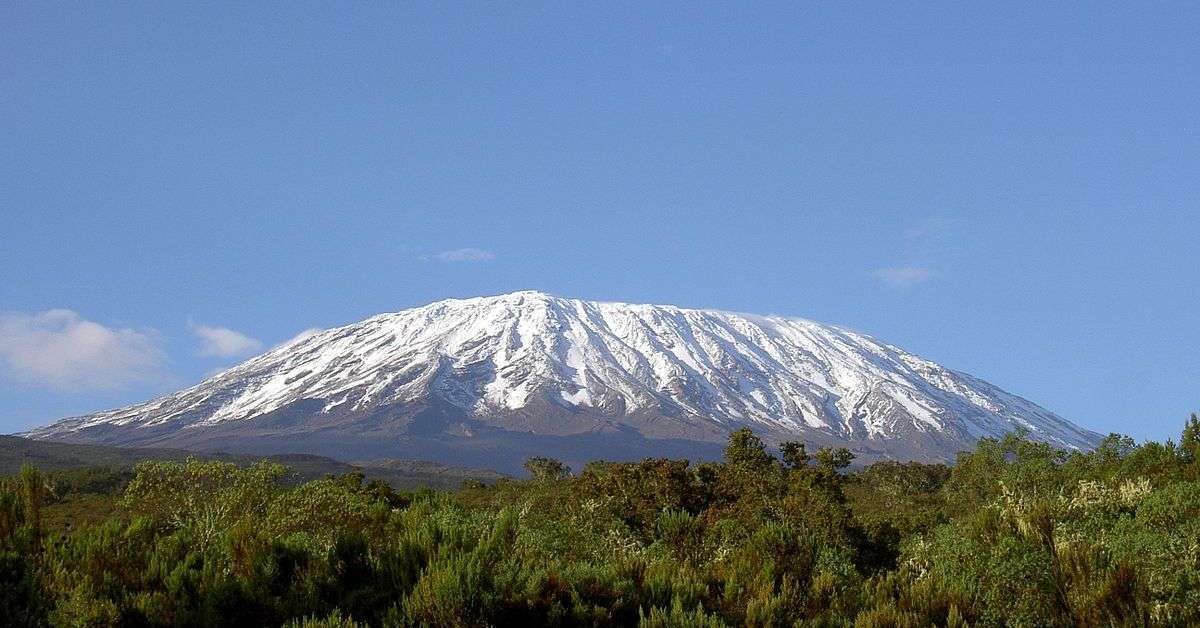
1009,190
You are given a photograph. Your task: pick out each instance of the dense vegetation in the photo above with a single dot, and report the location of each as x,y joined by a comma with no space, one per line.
1015,533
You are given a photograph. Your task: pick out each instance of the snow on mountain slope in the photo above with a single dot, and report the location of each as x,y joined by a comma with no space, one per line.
529,361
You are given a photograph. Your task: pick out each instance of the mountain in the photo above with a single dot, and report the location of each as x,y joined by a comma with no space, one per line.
488,381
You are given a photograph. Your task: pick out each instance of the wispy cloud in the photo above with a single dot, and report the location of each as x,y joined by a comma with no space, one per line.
302,336
461,255
222,342
903,276
306,334
921,250
60,349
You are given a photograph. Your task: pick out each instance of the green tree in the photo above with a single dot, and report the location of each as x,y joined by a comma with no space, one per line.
1189,442
33,491
208,497
745,450
795,456
832,460
1115,447
546,468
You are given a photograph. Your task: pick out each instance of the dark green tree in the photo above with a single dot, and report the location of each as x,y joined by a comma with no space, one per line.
1115,447
33,490
745,450
546,468
795,456
1189,442
830,459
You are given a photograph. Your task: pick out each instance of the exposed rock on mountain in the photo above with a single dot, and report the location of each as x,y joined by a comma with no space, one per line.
488,381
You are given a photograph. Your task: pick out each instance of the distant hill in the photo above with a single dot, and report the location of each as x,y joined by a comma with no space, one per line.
400,474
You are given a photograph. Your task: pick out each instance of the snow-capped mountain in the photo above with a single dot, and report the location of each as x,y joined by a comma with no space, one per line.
492,378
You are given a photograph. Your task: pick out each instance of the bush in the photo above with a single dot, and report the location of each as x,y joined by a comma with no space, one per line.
1015,533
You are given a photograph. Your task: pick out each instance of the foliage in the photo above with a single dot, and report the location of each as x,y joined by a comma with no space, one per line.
546,469
1014,533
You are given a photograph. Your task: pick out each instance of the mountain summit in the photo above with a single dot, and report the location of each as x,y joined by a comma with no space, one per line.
490,380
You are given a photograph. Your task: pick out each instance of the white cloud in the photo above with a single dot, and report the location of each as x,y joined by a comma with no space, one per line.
920,250
903,276
222,342
461,255
60,349
304,335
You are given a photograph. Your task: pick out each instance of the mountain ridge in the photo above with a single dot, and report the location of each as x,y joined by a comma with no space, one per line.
530,363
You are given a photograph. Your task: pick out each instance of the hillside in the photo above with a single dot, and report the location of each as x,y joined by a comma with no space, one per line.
400,474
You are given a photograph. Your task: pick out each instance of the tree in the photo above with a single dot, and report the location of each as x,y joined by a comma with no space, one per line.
12,516
1116,447
209,496
540,468
794,455
1189,442
830,459
746,451
33,491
